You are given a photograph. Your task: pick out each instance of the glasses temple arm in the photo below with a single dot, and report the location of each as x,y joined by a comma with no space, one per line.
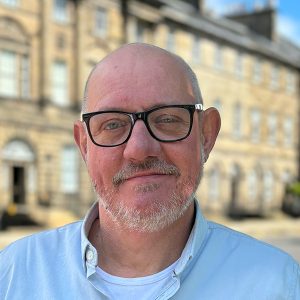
199,106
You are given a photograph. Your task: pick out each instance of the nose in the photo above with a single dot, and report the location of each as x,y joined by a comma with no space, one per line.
141,144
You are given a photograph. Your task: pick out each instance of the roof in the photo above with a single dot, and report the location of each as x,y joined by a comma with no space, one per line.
231,32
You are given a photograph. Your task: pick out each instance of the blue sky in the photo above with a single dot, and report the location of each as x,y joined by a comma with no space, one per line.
288,17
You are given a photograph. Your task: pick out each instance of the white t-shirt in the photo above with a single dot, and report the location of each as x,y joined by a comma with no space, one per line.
148,287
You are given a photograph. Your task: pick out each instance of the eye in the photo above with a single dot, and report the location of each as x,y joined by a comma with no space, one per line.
168,119
113,124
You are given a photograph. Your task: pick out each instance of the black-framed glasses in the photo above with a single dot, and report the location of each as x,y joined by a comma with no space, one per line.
170,123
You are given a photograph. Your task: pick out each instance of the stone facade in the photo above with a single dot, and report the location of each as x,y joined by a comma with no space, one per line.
47,50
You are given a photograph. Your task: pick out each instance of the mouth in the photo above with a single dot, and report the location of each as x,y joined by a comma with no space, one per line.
145,175
149,170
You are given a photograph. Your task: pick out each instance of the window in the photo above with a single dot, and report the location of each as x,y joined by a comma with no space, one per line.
290,82
237,120
286,177
218,105
171,40
214,184
239,65
218,57
196,49
69,170
8,74
25,78
140,30
255,125
268,183
14,74
288,131
60,12
101,23
274,78
257,70
252,185
272,128
60,83
10,2
60,41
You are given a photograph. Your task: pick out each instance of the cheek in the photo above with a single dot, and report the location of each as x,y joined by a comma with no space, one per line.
102,164
186,156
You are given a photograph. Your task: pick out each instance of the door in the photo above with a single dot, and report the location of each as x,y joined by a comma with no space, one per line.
18,180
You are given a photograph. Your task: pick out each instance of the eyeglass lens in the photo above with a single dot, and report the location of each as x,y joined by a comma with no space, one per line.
166,124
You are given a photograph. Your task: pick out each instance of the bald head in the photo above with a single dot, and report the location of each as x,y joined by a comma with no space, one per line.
133,55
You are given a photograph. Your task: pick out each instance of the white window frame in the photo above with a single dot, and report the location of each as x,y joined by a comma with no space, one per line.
257,70
9,66
214,184
12,3
25,77
218,57
268,184
171,40
274,77
60,11
60,86
237,121
288,131
217,103
101,22
252,185
196,49
140,29
239,62
69,170
17,75
255,116
272,128
290,82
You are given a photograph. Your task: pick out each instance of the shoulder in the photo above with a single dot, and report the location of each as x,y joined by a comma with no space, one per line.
44,259
251,253
44,243
253,262
235,240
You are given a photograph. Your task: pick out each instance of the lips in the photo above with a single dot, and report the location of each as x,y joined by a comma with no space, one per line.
150,167
145,175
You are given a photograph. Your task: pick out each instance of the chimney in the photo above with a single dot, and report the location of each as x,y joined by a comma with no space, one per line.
262,20
201,6
197,4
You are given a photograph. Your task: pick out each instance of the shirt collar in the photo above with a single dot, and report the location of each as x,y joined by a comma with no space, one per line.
89,253
195,242
190,252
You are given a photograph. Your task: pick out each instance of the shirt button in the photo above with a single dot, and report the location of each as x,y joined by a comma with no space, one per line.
89,255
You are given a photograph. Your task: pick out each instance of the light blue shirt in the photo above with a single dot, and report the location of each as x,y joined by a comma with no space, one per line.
219,263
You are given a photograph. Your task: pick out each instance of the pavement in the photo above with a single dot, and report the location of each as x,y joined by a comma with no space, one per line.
280,230
263,228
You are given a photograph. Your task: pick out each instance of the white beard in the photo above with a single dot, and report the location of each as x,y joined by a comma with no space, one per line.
159,214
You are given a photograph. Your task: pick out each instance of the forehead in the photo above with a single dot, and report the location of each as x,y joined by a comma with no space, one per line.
138,80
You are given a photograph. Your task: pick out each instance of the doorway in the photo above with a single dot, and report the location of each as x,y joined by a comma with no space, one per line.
18,185
235,178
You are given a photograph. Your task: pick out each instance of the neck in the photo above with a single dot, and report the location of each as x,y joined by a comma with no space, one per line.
128,253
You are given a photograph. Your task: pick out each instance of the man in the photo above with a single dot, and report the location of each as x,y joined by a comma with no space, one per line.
144,138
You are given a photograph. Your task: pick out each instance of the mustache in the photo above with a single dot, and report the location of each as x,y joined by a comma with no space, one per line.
152,164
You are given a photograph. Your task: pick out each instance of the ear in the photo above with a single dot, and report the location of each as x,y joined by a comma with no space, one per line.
211,124
80,136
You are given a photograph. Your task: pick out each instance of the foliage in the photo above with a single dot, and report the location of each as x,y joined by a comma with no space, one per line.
294,189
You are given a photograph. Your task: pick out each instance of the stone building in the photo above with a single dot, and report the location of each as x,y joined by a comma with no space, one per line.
47,48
